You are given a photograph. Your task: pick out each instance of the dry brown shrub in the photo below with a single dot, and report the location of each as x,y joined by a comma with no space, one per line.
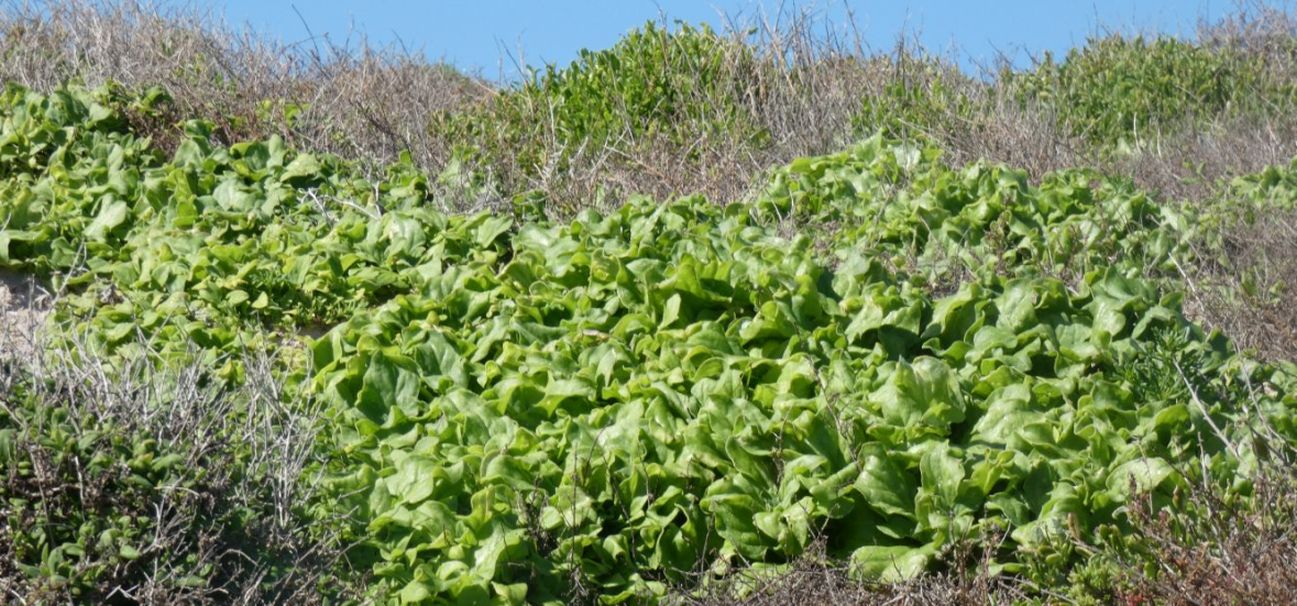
1246,288
1237,557
243,450
1220,549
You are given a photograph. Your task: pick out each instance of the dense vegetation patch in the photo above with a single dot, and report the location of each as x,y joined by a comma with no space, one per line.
277,373
523,410
1130,90
656,84
149,483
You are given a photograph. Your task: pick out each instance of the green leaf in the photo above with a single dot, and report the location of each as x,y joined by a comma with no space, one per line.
413,481
670,311
924,392
415,592
1144,473
236,297
304,169
492,228
890,564
112,215
940,473
886,486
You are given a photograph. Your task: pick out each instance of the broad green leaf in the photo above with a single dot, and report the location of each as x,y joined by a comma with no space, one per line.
110,217
414,479
890,564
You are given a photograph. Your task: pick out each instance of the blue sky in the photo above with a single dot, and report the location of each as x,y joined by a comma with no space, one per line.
476,35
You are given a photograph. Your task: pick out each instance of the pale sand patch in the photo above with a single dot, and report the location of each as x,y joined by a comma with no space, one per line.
23,307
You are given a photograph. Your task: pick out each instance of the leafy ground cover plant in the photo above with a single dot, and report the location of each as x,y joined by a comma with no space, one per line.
215,243
678,356
901,205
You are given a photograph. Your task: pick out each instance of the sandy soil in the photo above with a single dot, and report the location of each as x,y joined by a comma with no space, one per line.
23,306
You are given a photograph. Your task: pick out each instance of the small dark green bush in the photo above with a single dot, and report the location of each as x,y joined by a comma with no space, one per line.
149,488
656,86
920,97
1129,89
